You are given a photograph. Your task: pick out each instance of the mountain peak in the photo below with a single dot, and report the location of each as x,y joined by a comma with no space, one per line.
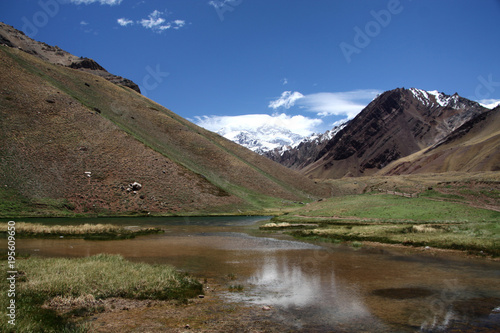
262,139
397,123
434,98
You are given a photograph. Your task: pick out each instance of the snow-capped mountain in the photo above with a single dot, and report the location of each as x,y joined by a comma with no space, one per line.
432,115
271,140
435,98
396,124
306,151
264,138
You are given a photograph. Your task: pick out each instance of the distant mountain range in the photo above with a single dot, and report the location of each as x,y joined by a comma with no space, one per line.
303,152
396,124
264,138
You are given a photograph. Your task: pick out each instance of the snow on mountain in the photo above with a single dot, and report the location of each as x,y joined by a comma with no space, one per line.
490,103
435,98
264,138
328,134
275,138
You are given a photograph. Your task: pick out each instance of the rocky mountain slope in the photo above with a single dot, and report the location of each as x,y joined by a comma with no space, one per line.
398,123
12,37
299,155
71,140
474,146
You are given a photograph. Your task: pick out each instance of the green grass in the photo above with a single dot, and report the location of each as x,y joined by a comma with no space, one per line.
470,237
438,195
13,205
63,280
394,208
422,221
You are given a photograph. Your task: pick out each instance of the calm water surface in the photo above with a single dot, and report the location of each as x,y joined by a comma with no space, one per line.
313,288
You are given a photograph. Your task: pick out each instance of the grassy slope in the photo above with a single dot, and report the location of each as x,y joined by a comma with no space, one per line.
382,208
75,122
441,217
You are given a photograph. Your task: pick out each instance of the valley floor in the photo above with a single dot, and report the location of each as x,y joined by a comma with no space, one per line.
449,211
455,214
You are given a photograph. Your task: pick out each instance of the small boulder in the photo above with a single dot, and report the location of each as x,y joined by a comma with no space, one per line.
134,187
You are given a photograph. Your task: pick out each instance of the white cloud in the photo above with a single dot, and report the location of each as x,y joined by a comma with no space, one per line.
157,23
84,23
124,22
296,124
286,100
284,81
102,2
154,21
178,24
347,104
331,108
490,103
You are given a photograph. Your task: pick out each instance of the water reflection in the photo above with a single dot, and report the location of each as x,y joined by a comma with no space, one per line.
310,287
315,300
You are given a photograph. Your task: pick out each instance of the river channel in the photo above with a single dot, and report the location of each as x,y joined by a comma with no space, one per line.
311,287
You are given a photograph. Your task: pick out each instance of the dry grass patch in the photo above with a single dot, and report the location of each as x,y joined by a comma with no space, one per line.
86,231
33,228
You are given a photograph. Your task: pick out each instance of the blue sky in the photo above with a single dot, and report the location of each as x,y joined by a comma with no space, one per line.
300,64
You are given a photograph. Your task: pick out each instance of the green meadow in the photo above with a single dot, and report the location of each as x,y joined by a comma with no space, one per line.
422,221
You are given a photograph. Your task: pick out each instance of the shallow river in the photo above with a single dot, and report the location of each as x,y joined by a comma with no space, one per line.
312,288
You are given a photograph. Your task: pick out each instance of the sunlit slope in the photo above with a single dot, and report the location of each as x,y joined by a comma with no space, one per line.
58,123
475,146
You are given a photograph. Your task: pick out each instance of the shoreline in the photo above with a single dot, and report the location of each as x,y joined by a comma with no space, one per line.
210,313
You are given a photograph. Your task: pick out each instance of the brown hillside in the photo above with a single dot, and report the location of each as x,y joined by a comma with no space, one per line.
398,123
58,123
475,146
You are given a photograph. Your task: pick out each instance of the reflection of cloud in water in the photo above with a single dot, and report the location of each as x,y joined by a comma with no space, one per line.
282,284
